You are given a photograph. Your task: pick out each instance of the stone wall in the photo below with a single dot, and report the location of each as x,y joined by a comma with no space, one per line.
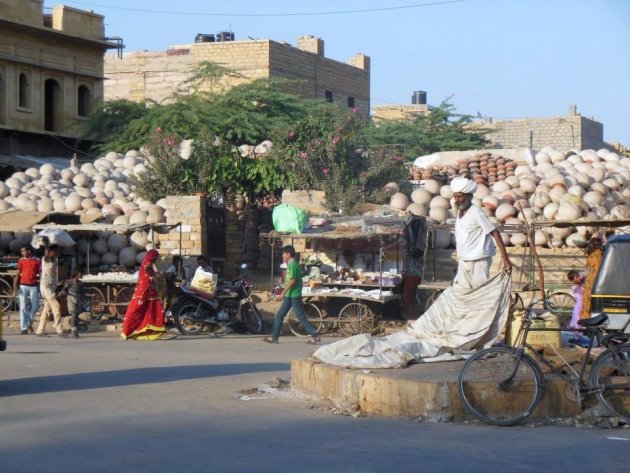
561,133
158,75
190,211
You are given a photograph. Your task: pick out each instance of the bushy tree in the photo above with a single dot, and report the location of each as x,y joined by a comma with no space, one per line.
440,130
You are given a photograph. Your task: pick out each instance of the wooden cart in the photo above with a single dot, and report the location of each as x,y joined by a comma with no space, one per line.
351,307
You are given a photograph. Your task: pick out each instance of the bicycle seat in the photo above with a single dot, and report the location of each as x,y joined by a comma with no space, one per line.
594,321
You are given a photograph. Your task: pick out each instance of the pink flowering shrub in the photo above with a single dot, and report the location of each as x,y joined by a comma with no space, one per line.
325,151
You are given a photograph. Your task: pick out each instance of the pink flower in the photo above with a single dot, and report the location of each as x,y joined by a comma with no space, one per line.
303,155
336,139
291,134
158,130
398,158
170,141
325,171
355,109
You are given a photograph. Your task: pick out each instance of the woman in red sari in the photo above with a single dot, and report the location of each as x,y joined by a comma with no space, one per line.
144,318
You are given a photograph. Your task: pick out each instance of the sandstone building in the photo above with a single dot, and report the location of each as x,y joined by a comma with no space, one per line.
156,76
51,75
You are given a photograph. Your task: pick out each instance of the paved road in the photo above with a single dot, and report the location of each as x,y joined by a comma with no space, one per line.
99,404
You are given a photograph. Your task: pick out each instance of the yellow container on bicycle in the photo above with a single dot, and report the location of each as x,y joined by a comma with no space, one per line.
534,338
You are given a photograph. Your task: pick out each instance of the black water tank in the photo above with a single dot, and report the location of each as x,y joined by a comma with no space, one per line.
419,97
204,38
225,36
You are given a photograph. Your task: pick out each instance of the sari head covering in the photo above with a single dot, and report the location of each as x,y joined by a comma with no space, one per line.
150,257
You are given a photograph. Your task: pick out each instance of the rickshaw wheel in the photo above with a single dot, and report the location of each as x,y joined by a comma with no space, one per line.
355,318
123,298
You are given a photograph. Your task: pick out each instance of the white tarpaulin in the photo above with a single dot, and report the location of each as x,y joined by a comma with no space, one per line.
460,320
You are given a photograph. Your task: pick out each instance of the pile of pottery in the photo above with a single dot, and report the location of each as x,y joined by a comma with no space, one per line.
585,185
100,191
484,169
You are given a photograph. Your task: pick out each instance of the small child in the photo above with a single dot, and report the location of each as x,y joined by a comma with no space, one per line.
578,291
75,291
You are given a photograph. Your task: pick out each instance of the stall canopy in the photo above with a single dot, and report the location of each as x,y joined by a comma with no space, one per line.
110,227
350,227
24,221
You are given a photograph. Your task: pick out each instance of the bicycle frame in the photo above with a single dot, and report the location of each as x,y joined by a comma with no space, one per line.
526,327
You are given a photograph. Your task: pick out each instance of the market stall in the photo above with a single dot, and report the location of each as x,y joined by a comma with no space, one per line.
353,297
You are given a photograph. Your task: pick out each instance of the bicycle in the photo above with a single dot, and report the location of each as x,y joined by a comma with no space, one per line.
503,385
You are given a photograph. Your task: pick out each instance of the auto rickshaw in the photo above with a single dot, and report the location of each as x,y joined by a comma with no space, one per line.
611,291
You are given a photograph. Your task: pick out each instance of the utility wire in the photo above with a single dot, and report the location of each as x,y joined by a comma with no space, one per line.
321,13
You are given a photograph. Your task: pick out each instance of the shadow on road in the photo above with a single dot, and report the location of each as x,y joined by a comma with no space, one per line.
108,379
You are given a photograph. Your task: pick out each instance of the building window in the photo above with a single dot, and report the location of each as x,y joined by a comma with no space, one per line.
329,96
24,91
351,102
84,101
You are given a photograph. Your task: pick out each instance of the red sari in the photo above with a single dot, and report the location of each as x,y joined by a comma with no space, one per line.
144,318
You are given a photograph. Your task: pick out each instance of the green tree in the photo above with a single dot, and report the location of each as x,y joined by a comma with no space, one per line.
440,130
324,152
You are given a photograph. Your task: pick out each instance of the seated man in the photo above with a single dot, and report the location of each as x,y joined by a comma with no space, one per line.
347,265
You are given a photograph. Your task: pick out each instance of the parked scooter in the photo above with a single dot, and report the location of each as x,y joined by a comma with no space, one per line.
230,306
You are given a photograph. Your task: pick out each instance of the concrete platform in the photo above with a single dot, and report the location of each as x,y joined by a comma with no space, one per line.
428,390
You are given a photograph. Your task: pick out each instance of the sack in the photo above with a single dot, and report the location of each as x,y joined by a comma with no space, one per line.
204,281
289,219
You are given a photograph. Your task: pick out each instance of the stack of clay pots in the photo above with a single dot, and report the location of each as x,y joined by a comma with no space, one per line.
584,185
102,190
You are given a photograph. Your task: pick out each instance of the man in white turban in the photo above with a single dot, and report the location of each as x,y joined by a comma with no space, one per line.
474,234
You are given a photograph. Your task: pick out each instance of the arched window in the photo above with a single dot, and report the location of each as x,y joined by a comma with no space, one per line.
24,91
84,101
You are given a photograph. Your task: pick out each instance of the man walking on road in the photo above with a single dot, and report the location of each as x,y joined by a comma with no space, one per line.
48,287
474,233
27,280
291,297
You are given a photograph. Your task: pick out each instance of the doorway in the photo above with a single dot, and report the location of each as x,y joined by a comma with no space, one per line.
52,105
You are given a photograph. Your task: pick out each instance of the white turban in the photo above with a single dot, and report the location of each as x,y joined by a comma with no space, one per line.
463,186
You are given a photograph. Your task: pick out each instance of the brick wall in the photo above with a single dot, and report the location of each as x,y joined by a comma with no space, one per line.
190,211
562,133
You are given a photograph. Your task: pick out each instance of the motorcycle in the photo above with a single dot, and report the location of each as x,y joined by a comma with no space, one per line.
230,306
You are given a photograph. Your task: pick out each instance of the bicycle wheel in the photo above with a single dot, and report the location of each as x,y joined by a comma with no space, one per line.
560,304
356,318
498,389
314,316
611,377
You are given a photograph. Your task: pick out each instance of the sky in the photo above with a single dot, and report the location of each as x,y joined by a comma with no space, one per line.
497,58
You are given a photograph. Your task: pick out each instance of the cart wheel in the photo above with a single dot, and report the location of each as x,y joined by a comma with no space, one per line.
97,302
560,304
123,298
6,294
314,316
356,318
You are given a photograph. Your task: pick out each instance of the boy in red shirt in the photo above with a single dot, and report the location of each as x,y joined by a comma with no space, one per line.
27,280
